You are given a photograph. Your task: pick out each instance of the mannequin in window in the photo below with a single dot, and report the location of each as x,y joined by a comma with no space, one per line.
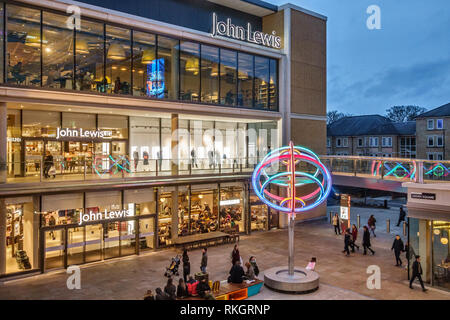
145,156
136,159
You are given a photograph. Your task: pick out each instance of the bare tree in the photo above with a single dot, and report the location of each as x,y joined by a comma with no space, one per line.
404,113
334,115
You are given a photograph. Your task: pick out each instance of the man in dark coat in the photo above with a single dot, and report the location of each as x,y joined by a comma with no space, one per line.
204,262
401,216
347,242
236,273
366,241
417,273
398,247
186,265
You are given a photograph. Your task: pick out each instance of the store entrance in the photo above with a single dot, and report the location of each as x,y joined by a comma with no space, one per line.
73,244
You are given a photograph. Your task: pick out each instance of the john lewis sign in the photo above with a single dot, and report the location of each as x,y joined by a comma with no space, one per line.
106,215
64,133
227,29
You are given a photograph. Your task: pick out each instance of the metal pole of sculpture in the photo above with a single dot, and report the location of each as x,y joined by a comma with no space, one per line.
305,190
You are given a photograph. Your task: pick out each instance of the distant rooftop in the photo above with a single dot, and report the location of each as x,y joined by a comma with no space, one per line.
442,111
370,125
356,125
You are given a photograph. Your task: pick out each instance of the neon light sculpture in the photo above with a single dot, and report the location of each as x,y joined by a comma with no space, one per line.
395,169
437,170
314,186
121,163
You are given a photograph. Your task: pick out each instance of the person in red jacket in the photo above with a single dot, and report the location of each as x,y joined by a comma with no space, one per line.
354,237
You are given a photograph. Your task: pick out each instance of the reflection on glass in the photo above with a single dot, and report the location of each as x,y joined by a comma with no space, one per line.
204,211
89,55
40,123
189,71
228,77
261,83
273,85
144,54
24,46
210,74
165,69
245,80
231,209
118,60
57,55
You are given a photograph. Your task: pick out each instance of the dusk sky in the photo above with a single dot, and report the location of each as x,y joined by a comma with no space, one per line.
407,62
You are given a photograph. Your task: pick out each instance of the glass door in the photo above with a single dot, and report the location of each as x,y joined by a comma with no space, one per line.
54,248
93,242
111,240
127,231
34,150
55,149
75,245
146,234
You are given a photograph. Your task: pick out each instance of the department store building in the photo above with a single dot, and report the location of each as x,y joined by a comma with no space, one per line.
126,125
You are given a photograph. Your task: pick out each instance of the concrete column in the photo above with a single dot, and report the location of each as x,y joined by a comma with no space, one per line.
175,144
3,142
174,225
2,236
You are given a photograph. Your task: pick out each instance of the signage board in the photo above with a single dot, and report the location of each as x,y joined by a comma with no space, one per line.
345,211
105,215
423,196
80,133
227,29
230,202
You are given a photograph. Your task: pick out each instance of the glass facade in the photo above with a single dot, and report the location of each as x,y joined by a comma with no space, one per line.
93,226
43,51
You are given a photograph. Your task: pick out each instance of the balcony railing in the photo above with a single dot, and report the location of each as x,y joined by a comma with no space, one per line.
397,169
120,167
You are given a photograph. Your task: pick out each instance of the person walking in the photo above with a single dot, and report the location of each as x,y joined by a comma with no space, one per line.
398,247
337,229
347,241
186,265
354,237
235,256
372,224
417,273
366,240
48,163
401,216
204,262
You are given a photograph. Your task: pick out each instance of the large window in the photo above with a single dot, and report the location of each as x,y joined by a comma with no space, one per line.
24,46
189,71
228,66
89,50
210,74
57,52
245,80
144,56
262,83
167,68
118,60
273,87
43,50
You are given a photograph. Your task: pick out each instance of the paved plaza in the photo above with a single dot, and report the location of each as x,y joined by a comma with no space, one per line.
341,277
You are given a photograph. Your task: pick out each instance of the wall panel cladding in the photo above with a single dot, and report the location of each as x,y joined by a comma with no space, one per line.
308,101
310,134
194,14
